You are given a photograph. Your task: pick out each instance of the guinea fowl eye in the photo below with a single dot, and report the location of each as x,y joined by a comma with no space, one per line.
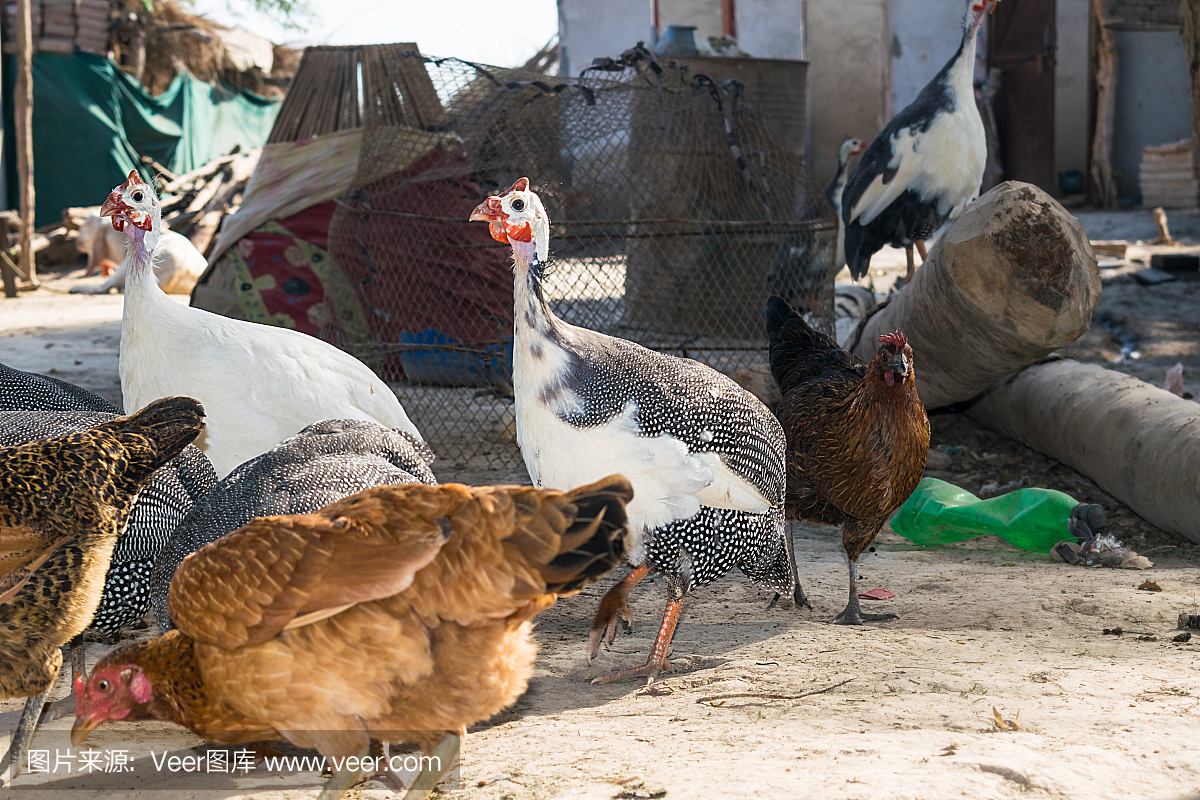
518,204
102,685
137,197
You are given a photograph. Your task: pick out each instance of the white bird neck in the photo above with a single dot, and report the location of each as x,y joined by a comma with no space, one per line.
531,313
139,280
962,75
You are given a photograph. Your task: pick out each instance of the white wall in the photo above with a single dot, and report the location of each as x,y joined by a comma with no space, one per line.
1071,86
705,15
925,34
588,29
771,28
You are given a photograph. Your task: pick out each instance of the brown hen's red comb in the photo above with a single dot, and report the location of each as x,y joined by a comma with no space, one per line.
896,339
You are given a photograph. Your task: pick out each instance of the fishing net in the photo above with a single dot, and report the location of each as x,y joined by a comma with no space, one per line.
675,211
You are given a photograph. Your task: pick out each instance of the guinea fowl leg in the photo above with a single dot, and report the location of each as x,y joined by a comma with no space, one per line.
613,606
912,265
922,251
14,759
662,643
441,760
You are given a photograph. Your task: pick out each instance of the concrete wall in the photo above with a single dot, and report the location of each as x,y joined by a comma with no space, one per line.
847,76
705,15
588,30
925,34
771,28
1153,100
1072,87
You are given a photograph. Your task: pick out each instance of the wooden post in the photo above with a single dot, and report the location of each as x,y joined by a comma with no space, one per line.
1189,20
23,104
6,273
1103,184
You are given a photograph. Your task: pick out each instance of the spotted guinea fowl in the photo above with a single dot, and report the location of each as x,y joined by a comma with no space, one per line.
705,457
323,463
63,502
259,384
923,168
35,407
401,613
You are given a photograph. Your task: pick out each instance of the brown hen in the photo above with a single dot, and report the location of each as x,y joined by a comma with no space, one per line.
63,502
857,434
400,613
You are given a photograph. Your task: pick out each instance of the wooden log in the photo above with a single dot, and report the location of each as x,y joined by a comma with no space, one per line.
1012,279
200,173
53,44
23,103
1104,185
215,209
1139,443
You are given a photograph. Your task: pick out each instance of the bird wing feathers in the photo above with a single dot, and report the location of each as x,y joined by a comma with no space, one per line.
464,554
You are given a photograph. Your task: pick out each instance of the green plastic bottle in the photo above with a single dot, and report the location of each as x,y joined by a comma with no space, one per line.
939,512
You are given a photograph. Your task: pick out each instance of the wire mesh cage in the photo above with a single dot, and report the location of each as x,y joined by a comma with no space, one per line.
675,211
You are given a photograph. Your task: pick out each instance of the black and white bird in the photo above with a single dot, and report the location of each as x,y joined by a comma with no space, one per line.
36,407
923,168
325,462
705,457
833,193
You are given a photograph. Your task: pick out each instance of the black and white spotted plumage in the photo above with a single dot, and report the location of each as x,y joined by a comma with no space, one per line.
27,391
705,457
323,463
924,167
159,507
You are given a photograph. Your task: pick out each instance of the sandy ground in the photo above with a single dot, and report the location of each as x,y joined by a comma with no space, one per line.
983,630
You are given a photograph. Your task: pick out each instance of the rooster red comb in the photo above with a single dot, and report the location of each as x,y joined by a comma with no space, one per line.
134,180
896,340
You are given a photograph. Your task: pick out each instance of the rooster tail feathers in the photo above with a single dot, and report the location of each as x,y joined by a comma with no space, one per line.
157,433
595,537
797,351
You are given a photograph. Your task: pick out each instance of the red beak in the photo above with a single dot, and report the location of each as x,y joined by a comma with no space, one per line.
490,211
113,207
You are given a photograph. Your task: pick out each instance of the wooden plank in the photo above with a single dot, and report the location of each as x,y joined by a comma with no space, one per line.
1104,184
53,31
52,44
23,103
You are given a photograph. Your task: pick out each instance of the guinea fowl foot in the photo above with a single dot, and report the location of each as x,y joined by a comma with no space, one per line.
658,656
614,607
858,618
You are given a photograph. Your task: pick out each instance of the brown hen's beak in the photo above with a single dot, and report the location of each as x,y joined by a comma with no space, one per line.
82,727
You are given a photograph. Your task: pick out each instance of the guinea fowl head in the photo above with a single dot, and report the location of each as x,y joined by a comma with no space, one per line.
113,691
852,147
979,10
518,218
135,203
893,363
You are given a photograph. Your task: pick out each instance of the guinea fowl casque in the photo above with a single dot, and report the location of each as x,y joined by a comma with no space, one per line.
323,463
259,384
705,457
857,434
401,613
37,407
923,168
63,502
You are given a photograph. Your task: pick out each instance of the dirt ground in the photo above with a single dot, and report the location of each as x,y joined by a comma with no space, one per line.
988,638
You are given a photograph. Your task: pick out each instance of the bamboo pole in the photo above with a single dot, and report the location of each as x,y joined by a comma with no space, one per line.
23,104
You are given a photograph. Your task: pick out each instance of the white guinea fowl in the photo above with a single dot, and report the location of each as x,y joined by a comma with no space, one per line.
924,167
833,193
704,456
259,384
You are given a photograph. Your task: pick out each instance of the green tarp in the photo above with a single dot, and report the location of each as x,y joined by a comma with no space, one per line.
92,122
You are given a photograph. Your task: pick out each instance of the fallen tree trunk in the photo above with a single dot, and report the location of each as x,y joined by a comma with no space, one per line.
1139,443
1012,279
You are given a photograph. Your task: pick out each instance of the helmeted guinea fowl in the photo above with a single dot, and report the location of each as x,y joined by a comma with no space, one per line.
63,502
323,463
259,384
35,407
705,457
833,193
923,168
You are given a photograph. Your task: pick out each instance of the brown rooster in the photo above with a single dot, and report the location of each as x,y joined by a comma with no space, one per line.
400,613
63,502
857,434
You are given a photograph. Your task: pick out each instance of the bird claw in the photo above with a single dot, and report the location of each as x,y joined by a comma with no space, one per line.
613,608
856,617
649,671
